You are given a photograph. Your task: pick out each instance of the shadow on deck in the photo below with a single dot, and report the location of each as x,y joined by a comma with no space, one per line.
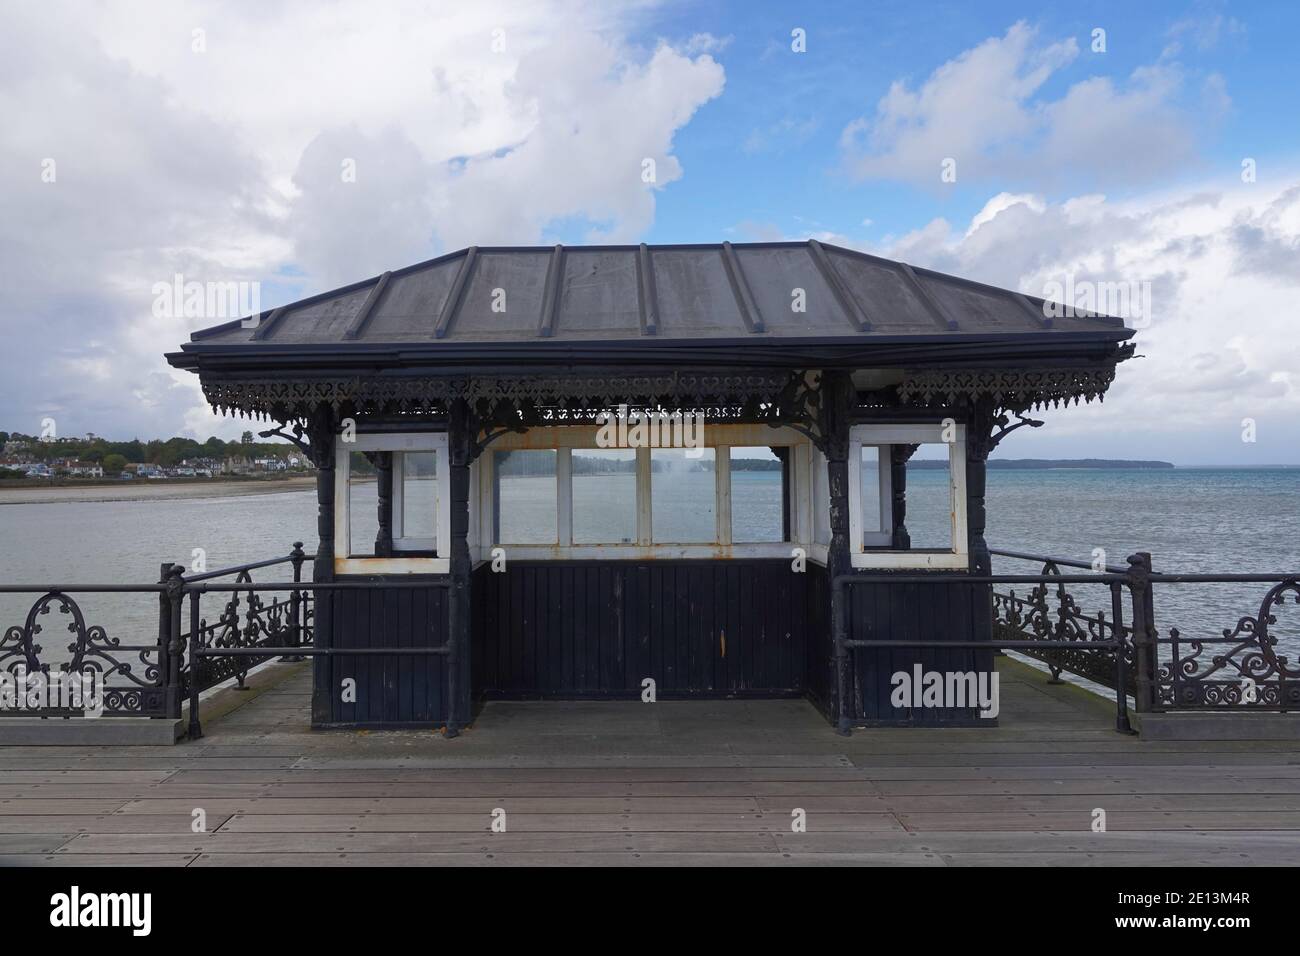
674,783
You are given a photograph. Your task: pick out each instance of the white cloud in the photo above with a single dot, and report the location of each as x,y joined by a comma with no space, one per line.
484,123
986,110
1221,345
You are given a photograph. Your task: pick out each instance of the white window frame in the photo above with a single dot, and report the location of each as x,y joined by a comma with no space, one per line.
721,438
401,442
886,435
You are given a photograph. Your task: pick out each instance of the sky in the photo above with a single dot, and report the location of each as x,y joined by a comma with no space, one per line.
298,147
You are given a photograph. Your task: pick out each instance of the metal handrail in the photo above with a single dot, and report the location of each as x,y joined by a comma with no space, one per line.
1049,559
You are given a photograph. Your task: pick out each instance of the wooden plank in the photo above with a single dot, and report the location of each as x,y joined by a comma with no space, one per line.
44,807
111,860
228,841
466,805
111,823
560,859
1081,820
547,822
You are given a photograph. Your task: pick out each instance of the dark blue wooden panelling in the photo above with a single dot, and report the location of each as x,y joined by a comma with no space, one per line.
584,628
391,689
927,612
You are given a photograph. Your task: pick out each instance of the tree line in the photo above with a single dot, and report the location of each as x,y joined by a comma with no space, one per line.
165,453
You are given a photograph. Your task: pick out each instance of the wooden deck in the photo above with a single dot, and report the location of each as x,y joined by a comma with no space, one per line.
674,783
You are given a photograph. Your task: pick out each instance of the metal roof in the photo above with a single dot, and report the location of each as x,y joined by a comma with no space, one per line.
695,295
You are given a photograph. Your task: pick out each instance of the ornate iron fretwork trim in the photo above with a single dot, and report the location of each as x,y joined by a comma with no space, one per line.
1016,389
286,400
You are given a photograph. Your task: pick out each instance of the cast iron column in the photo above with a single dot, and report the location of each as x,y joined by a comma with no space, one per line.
320,431
837,403
979,434
460,442
383,462
899,455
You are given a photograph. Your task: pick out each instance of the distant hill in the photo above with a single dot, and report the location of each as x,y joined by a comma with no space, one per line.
1043,463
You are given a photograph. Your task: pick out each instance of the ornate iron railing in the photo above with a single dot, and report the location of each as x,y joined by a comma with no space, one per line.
131,675
1049,612
1238,669
1242,667
144,679
247,620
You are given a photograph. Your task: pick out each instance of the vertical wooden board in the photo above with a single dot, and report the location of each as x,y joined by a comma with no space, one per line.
734,621
516,618
638,627
701,624
684,612
437,668
406,634
593,615
563,614
380,688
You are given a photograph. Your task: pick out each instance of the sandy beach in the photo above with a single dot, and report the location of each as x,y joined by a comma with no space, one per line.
146,490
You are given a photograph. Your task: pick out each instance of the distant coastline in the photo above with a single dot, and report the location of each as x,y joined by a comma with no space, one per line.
1027,464
58,492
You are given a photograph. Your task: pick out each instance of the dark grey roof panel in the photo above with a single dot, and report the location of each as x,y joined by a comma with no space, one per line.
512,281
599,296
322,321
880,286
774,273
695,297
974,307
411,304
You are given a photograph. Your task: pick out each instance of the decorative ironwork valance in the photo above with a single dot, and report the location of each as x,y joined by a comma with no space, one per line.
1009,388
280,399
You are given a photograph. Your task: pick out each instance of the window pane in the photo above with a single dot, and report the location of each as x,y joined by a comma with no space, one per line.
363,505
604,496
683,495
419,474
526,499
757,495
872,519
929,498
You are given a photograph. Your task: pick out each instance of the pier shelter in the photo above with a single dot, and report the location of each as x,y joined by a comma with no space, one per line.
639,471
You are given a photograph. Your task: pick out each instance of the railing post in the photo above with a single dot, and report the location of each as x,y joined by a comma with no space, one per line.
1143,629
175,582
297,556
1122,724
196,640
164,637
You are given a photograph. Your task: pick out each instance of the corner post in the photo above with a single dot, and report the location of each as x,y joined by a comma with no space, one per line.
836,406
460,444
195,729
979,442
320,430
1144,629
297,556
164,637
174,594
